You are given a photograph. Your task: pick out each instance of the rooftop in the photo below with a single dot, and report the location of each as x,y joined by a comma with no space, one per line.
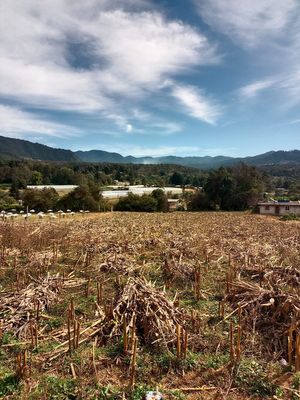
279,203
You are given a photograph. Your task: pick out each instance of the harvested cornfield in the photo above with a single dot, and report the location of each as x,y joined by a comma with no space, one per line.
108,306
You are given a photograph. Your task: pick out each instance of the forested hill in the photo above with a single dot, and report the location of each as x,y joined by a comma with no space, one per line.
207,162
23,149
274,157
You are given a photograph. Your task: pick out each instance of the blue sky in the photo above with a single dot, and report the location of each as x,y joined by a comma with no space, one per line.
152,77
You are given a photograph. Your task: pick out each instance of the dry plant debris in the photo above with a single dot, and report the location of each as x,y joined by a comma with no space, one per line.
17,308
152,315
209,283
269,311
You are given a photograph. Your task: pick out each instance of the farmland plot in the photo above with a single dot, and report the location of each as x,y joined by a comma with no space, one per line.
108,306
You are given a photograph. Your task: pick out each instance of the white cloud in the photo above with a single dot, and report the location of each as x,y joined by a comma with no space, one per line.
146,122
50,87
250,23
286,85
92,56
129,128
142,151
294,122
165,127
161,151
17,123
269,30
145,48
255,88
290,84
197,104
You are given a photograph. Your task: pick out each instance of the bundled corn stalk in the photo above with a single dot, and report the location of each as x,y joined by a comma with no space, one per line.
270,311
177,272
17,308
146,310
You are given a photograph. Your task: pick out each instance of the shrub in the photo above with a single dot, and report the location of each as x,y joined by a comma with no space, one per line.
40,200
85,197
133,202
290,217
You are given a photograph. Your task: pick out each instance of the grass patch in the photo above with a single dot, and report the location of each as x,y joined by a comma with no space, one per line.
9,384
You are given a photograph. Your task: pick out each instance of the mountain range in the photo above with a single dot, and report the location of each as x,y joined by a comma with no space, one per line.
18,149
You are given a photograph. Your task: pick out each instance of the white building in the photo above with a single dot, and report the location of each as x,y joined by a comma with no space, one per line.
279,207
58,188
139,190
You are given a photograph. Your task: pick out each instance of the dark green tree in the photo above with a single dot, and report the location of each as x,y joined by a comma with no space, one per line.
162,200
85,197
40,200
220,188
177,179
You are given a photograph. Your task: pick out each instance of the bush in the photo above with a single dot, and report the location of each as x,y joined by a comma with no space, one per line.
40,200
7,202
162,200
199,202
85,197
290,217
133,202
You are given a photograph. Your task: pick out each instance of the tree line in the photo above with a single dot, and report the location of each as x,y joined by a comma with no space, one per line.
235,188
19,174
230,189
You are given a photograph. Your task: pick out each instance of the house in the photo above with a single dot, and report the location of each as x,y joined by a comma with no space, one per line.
279,207
176,204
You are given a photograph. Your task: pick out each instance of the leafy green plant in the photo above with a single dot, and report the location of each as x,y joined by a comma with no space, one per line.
55,322
7,337
215,361
60,388
166,361
114,350
290,217
139,392
296,381
295,385
175,394
251,376
9,384
107,393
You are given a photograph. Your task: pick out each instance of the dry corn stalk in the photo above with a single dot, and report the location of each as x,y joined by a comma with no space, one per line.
155,315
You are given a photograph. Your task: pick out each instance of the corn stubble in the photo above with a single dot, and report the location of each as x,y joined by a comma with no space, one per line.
177,285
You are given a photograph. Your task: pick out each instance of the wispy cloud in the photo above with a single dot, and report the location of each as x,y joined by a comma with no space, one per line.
255,88
294,122
269,32
285,84
17,123
197,104
162,151
290,85
93,57
249,23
